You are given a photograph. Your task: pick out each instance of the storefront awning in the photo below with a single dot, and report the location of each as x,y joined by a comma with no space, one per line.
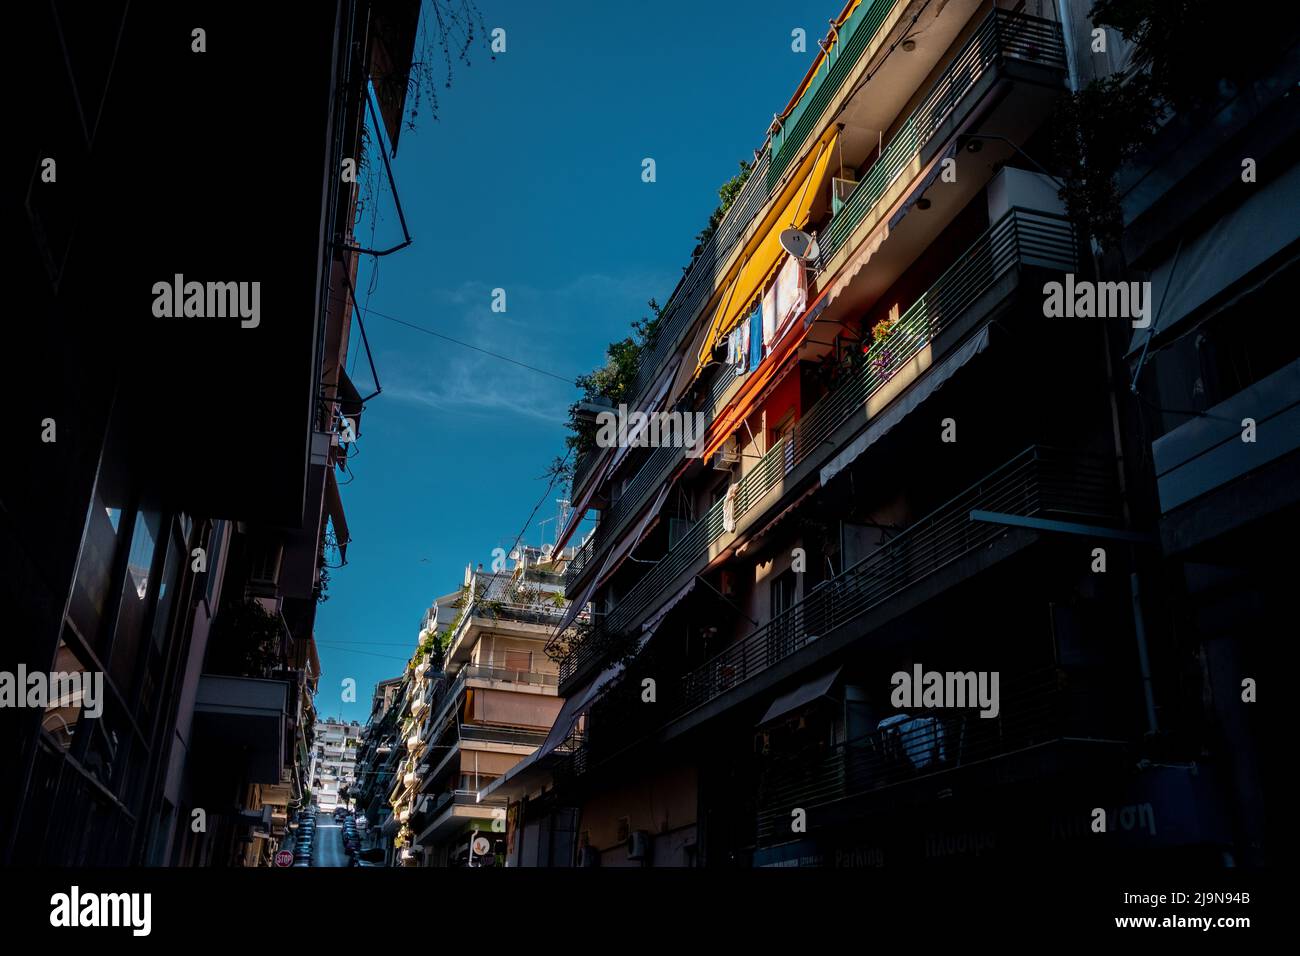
929,382
801,696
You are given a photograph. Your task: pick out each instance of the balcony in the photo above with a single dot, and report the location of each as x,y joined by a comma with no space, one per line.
982,278
452,809
449,691
1002,38
1205,462
246,718
855,36
932,555
1041,714
978,67
502,735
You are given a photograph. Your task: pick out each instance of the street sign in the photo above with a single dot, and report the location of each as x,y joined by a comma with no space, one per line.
284,858
482,846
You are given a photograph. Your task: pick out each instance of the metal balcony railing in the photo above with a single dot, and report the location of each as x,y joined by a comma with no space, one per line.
1001,35
582,467
1020,237
1034,709
591,643
502,735
581,558
696,288
1039,481
493,672
801,124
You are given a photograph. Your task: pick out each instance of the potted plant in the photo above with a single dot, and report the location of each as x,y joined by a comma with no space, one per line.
881,355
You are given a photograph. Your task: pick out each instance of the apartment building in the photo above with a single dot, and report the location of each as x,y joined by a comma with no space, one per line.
179,497
479,704
378,756
334,762
909,467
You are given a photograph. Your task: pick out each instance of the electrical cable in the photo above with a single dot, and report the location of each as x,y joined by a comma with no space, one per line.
463,344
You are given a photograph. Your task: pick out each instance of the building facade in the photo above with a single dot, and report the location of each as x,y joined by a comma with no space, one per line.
915,471
168,533
334,762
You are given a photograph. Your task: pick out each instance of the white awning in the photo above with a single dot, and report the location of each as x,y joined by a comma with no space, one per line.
801,696
1214,259
929,382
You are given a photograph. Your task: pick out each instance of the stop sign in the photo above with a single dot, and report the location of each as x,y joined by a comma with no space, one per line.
284,858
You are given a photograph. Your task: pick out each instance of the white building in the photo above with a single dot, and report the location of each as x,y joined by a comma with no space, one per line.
333,760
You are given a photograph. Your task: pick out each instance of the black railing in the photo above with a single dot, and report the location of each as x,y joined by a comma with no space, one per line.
591,643
1033,709
1039,482
502,735
680,312
1002,34
1021,237
846,53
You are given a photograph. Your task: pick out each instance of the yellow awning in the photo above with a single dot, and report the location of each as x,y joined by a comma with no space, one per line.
763,253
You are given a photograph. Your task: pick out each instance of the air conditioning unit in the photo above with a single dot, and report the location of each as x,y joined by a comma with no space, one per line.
841,190
638,845
588,856
727,456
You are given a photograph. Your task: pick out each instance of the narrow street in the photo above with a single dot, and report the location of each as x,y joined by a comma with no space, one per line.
327,849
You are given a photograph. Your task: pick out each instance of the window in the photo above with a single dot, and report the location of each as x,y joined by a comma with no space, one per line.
783,592
214,554
156,649
137,593
63,714
521,661
103,541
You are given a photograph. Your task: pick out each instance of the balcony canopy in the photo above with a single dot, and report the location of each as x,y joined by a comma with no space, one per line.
801,696
763,253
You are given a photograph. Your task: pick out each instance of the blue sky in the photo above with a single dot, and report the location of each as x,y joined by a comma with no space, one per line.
530,181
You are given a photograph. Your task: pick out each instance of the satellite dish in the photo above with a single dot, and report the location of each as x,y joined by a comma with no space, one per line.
799,244
548,550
